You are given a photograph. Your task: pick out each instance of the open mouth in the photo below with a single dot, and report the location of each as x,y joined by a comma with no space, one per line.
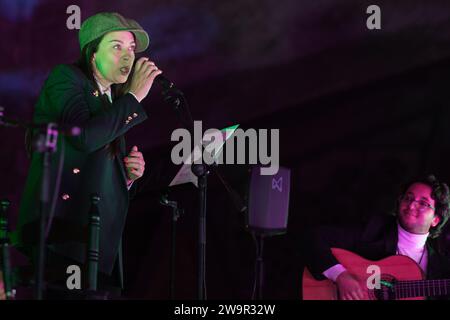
124,70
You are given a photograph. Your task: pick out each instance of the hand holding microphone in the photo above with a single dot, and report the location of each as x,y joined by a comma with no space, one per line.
145,72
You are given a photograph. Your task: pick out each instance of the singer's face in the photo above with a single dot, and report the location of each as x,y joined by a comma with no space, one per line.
114,57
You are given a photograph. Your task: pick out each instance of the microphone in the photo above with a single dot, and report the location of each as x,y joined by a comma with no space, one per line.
166,202
164,82
167,85
64,129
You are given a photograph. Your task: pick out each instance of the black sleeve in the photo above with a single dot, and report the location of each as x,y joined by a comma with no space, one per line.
66,95
318,242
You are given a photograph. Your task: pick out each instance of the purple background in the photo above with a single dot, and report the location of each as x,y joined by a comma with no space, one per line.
359,111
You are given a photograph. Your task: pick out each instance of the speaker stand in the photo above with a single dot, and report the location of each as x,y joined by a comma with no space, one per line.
259,266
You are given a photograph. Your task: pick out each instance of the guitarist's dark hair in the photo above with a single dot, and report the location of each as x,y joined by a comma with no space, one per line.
440,194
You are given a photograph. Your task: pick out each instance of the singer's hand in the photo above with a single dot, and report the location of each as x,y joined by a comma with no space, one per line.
135,165
145,72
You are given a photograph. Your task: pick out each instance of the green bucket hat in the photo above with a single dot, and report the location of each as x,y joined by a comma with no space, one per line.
100,24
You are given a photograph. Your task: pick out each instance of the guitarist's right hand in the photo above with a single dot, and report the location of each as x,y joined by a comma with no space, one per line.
349,287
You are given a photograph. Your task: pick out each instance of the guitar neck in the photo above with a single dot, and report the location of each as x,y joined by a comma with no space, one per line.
422,288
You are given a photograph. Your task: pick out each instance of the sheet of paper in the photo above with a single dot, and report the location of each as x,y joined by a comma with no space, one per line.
185,175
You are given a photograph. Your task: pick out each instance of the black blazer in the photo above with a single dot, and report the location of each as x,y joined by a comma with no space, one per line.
374,241
69,97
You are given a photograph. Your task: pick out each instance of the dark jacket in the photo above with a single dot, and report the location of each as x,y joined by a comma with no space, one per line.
374,241
69,97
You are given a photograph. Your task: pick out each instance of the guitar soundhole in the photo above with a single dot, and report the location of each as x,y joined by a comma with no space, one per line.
387,288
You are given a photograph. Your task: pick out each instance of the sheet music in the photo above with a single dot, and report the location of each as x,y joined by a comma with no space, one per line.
185,174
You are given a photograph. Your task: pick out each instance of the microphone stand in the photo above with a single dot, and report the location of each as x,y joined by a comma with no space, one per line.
176,213
45,144
5,266
48,143
201,171
176,98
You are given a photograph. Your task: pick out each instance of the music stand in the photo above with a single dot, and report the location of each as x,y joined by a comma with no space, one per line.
186,175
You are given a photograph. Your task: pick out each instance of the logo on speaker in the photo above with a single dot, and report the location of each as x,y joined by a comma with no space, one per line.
277,184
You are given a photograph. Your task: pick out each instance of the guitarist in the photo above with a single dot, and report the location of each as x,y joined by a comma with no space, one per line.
422,211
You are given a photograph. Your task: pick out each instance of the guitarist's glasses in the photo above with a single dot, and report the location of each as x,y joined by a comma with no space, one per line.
421,205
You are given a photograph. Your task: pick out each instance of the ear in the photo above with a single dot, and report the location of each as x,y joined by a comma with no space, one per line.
94,63
435,221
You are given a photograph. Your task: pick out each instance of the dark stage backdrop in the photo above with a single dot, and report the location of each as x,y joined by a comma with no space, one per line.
359,111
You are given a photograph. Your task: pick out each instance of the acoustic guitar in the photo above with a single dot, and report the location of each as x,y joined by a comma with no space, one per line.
393,278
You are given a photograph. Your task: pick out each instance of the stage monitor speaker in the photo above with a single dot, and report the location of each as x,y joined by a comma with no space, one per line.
268,202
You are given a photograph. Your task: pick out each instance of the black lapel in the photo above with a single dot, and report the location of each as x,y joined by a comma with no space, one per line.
122,151
391,238
436,268
95,99
119,159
